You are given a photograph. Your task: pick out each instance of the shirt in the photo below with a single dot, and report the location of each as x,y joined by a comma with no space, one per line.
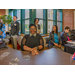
3,30
32,41
56,38
38,30
33,35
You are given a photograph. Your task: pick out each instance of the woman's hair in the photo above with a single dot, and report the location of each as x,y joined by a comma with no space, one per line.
56,29
32,25
35,20
1,23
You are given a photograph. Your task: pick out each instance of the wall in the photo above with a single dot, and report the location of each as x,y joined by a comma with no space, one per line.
68,18
2,11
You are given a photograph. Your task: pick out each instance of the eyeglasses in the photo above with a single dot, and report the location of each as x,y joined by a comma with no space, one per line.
32,28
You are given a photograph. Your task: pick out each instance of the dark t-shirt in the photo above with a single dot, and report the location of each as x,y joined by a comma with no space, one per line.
32,41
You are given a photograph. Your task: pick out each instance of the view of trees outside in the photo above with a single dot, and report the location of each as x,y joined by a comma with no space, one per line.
26,26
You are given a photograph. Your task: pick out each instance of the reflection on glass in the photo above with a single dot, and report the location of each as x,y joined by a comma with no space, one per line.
41,25
26,26
26,13
50,25
50,14
18,14
59,24
39,13
11,13
59,16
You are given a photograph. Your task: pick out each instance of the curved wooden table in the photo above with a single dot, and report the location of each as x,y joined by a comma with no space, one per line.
46,57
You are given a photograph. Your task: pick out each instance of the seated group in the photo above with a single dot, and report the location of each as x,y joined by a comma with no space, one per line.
34,42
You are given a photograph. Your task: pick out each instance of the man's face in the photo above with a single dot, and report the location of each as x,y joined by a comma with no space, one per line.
67,30
14,18
32,30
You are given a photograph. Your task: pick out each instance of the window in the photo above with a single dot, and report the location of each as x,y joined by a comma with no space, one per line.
50,20
39,14
59,20
19,19
26,13
26,26
50,14
27,21
18,14
50,25
47,18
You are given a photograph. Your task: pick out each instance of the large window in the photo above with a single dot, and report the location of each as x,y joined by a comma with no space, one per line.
47,18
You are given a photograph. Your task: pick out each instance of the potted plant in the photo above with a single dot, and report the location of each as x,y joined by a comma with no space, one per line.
7,19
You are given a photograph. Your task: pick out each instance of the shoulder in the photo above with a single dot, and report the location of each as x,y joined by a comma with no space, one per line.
51,33
38,35
63,33
17,22
26,36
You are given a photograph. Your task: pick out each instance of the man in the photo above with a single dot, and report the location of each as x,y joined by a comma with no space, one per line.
36,20
14,32
64,36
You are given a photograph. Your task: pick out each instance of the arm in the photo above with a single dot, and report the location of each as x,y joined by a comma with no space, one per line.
64,38
50,39
39,30
23,46
41,46
17,30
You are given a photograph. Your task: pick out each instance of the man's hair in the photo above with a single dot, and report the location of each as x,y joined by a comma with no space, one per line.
16,16
67,27
32,25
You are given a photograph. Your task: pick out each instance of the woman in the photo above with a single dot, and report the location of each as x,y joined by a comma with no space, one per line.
38,30
2,29
32,42
54,38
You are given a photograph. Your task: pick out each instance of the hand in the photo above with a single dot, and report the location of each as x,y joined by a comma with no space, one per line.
70,40
59,46
35,51
56,44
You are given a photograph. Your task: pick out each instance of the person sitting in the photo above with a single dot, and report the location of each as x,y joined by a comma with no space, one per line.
2,29
64,36
32,42
54,38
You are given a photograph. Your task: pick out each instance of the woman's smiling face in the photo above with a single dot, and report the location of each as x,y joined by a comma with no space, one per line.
32,29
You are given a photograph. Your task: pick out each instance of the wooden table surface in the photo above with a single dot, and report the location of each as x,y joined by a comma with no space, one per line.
45,57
